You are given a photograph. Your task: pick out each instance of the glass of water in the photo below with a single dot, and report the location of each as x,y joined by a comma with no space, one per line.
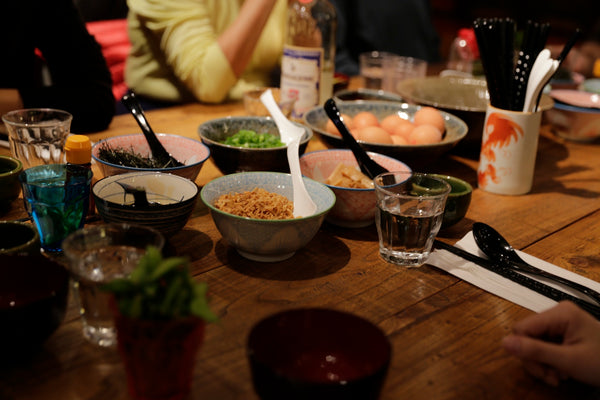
96,255
410,210
37,135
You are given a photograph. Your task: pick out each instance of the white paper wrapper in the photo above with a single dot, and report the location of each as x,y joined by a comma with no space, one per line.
501,286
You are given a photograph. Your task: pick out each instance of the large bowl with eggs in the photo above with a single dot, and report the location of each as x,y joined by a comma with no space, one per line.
412,134
233,209
465,97
355,203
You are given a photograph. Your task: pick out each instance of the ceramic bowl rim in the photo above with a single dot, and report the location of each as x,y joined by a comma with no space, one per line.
128,207
468,186
16,170
265,221
463,128
470,81
576,109
357,190
134,169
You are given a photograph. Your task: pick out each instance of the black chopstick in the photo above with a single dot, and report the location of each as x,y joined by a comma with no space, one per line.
530,283
507,80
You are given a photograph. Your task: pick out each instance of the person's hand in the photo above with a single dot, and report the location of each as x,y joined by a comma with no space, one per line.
560,343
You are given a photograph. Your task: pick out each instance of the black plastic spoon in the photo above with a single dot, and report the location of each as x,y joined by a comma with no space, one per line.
158,151
498,248
366,164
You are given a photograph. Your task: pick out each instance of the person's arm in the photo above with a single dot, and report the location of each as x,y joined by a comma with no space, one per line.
202,46
239,40
560,343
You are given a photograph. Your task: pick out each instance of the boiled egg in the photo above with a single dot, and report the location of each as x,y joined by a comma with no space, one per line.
365,118
425,134
430,116
375,134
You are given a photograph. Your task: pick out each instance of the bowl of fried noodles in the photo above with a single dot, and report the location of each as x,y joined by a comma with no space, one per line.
253,211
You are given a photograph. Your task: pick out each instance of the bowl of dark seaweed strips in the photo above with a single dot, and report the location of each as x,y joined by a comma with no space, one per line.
131,153
248,143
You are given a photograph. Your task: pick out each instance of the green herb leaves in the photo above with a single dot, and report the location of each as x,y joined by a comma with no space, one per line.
251,139
161,288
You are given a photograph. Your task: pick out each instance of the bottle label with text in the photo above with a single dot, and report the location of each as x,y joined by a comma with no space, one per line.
301,77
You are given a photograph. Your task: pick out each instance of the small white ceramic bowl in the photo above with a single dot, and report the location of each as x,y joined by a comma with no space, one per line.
354,207
190,152
260,239
172,199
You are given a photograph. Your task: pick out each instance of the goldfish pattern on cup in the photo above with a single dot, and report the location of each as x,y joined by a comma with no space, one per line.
498,132
508,151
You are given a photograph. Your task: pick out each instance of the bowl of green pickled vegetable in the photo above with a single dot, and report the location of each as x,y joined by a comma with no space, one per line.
249,143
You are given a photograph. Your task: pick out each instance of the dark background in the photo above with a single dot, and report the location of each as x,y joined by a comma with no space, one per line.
564,16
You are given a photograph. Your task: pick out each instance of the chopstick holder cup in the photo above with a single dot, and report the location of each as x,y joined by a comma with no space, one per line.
508,151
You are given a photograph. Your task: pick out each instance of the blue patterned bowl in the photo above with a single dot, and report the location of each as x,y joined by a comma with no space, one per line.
232,159
415,156
172,199
260,239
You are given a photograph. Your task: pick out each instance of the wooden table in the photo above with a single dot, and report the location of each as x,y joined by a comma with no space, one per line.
445,332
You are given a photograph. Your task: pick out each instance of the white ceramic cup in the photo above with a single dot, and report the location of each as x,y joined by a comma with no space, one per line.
508,151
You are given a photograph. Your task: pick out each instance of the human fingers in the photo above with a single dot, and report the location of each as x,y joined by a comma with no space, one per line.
544,372
550,324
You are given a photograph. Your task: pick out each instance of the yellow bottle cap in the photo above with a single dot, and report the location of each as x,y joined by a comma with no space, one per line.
78,149
597,68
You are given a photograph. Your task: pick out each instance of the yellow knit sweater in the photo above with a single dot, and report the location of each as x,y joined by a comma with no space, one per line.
175,56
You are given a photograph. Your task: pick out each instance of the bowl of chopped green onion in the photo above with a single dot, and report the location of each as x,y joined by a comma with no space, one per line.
248,143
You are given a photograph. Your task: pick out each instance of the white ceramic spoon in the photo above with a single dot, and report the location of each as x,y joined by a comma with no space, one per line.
291,134
542,70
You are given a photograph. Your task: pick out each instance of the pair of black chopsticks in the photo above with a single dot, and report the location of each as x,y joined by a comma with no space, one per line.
506,79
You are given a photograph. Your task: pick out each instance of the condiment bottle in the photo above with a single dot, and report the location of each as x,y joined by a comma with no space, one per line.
78,153
464,53
308,59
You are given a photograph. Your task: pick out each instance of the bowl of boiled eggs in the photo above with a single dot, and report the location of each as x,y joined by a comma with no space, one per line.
415,135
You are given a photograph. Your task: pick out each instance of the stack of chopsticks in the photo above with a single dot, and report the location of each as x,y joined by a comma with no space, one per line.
508,79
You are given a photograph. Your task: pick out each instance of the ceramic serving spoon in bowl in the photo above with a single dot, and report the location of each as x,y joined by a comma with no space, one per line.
291,135
156,147
366,163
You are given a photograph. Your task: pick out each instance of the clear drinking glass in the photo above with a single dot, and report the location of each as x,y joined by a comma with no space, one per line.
410,210
37,135
96,255
371,68
398,68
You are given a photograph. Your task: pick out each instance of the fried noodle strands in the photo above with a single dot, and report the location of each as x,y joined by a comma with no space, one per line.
258,203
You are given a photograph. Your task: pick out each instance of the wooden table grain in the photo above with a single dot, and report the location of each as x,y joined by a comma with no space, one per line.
445,332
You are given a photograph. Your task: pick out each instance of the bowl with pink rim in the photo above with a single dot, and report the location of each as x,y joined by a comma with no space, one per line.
354,207
192,153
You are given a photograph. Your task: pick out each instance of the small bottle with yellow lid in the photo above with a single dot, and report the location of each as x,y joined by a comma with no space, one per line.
78,154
